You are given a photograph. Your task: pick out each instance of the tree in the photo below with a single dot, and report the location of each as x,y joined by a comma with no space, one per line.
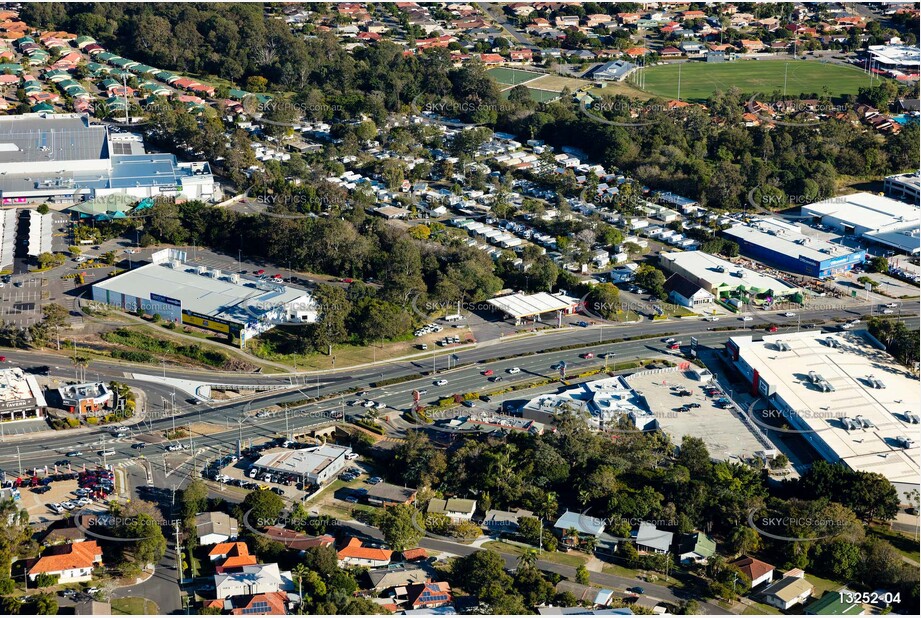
45,605
194,498
582,575
878,264
43,209
401,525
604,300
150,545
652,279
263,507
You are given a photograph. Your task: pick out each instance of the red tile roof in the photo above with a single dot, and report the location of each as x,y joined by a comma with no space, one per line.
354,549
752,567
233,548
415,554
82,555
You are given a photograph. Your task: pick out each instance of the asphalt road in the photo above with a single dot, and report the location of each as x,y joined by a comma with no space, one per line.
237,418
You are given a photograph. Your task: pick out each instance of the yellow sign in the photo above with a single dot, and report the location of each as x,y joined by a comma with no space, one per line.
203,323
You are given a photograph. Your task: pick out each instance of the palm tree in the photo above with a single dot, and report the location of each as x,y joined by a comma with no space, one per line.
573,536
589,544
528,560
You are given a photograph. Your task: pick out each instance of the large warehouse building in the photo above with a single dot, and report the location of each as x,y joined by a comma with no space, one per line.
521,307
876,219
724,279
205,298
849,400
785,246
62,158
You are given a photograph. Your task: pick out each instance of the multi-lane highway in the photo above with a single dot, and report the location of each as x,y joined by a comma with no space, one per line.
236,419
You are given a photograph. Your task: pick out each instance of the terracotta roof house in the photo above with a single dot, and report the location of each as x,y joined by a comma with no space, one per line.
72,563
414,554
265,604
428,595
222,550
757,571
354,553
299,541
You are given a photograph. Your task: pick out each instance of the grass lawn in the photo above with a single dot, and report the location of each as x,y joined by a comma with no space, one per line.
699,79
573,560
512,77
136,606
822,585
904,544
538,96
759,609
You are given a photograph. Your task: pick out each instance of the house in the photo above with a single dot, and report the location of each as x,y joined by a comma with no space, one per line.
695,547
262,604
651,539
73,562
215,527
298,541
789,591
223,550
416,553
382,579
391,212
670,52
456,509
685,293
252,579
757,571
584,525
354,553
385,494
92,607
504,521
426,595
835,603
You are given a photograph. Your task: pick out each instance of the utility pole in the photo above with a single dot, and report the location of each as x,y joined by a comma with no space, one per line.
19,459
178,546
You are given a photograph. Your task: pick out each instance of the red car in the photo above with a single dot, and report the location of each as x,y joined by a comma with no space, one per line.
487,373
347,280
2,359
587,355
260,272
772,329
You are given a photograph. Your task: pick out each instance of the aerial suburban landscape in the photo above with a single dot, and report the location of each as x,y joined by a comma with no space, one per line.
437,308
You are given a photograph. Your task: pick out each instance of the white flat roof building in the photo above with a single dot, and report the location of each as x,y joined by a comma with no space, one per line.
206,298
520,306
895,56
721,277
317,465
905,187
823,382
874,217
20,395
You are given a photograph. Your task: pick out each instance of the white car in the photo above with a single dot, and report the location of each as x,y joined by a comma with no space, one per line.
380,405
670,340
514,370
712,318
84,502
174,447
747,318
68,505
440,382
368,404
789,314
351,456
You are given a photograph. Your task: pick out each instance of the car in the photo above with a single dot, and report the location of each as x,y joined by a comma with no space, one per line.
278,490
41,489
374,480
369,404
556,366
669,341
174,447
693,405
80,501
712,318
62,462
441,382
582,323
747,318
587,355
513,370
495,379
67,504
675,346
351,499
636,590
56,508
422,391
488,372
106,453
888,311
351,456
789,314
891,305
423,346
468,404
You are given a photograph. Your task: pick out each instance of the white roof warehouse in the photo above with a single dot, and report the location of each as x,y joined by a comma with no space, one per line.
315,465
205,298
850,401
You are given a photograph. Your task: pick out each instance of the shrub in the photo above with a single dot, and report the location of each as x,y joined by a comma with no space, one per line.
43,580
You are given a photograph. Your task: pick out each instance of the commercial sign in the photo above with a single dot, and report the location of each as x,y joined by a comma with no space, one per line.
214,324
159,298
17,404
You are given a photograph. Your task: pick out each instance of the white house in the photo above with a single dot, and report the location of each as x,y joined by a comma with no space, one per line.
757,571
789,591
651,539
72,562
215,527
252,579
456,509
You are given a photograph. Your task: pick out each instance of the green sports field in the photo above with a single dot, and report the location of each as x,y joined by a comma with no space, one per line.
699,79
512,77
